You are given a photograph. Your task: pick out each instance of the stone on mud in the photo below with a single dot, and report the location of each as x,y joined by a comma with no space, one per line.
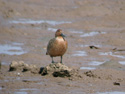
57,70
54,69
21,66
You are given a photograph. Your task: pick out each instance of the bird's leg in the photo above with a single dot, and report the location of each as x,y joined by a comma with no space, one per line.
61,60
52,60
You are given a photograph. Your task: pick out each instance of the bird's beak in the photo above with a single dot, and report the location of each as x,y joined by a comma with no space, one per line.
63,35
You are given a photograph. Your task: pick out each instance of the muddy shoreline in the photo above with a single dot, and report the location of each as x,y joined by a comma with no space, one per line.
95,32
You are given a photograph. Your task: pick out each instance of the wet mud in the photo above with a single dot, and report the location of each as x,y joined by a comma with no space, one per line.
95,31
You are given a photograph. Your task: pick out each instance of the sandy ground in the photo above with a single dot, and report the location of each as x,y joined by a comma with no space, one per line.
26,26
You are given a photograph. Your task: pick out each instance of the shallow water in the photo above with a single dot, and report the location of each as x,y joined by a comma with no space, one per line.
25,90
22,92
82,45
122,62
37,80
87,68
92,34
111,54
0,88
9,79
76,31
96,63
30,21
12,49
4,63
114,92
75,91
52,29
80,53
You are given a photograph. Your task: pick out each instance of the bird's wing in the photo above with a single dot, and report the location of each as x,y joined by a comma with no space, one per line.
50,45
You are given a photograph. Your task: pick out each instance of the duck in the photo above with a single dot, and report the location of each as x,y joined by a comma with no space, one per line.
57,46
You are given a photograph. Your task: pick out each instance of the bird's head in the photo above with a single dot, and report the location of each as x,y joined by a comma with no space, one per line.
59,33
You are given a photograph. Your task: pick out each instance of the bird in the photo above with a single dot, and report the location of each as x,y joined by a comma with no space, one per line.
57,46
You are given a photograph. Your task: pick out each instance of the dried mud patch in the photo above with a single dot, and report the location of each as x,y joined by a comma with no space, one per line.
54,69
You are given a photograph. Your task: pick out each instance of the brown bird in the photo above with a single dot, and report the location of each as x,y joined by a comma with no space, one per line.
57,46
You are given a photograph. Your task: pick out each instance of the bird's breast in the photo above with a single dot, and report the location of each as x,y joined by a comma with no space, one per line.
57,46
60,39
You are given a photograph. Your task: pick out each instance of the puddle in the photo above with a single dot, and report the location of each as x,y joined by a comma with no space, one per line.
0,88
52,29
6,80
30,21
76,91
82,45
12,49
25,89
119,56
21,93
111,54
4,63
114,92
105,53
35,80
95,63
80,53
87,68
9,79
92,34
17,43
122,62
76,31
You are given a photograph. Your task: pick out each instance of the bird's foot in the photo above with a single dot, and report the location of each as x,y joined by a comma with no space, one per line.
53,62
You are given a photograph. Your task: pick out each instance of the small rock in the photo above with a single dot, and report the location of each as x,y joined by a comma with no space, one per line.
14,66
21,63
32,25
90,74
21,66
93,47
116,83
115,49
57,70
31,68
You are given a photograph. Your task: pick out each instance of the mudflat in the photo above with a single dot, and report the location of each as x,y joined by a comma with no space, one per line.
95,31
